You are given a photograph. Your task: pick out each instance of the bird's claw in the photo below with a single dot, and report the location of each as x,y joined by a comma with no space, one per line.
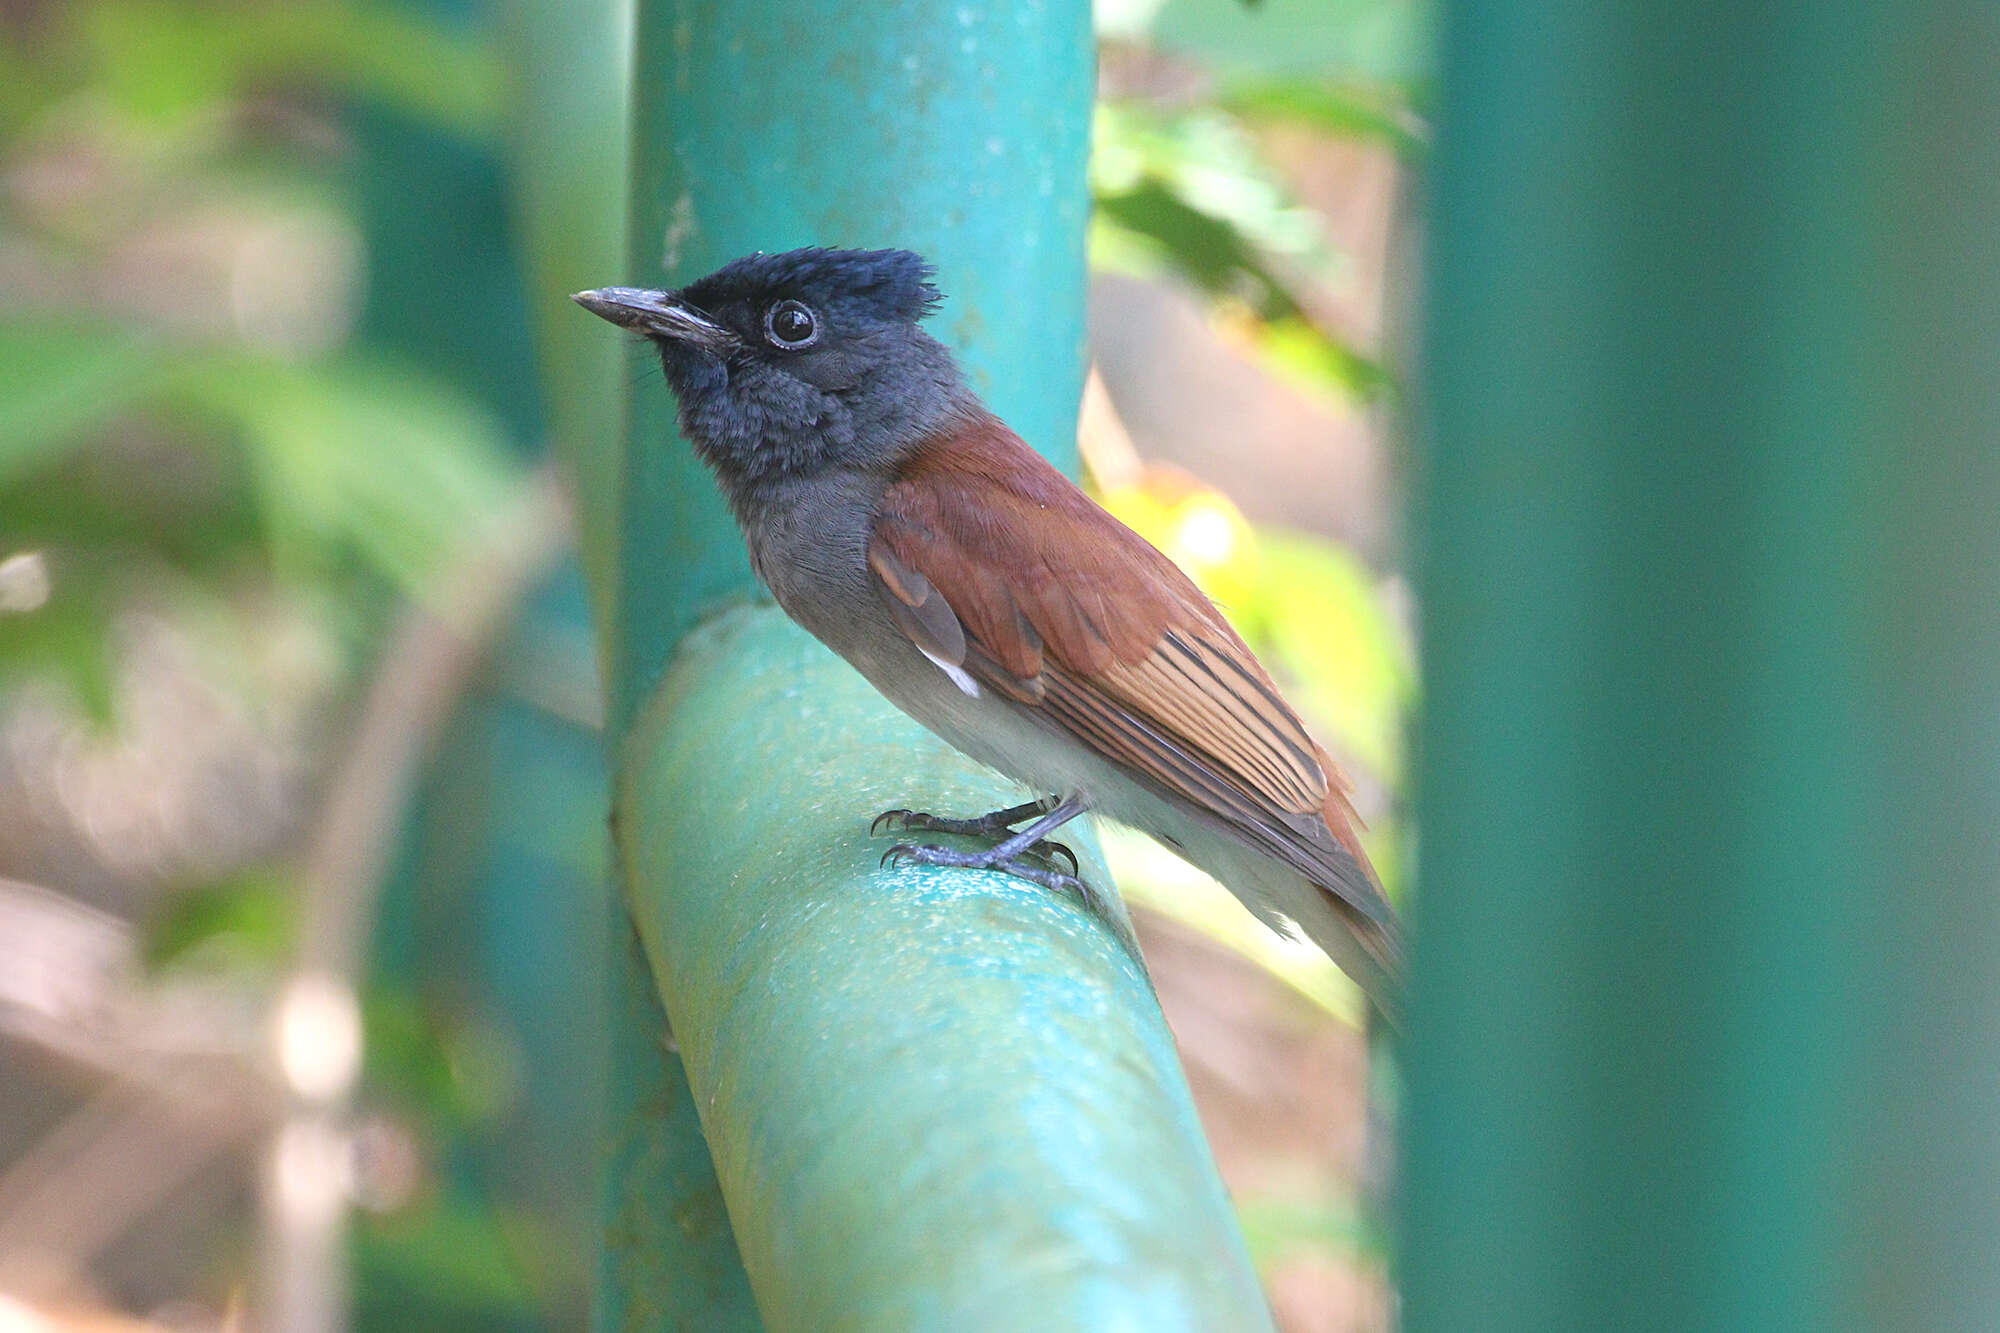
1048,851
895,819
1045,874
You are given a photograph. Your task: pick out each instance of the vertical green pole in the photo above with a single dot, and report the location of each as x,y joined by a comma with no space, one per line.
1706,1025
667,1258
571,82
934,1100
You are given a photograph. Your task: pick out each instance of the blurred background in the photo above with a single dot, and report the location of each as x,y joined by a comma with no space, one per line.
288,607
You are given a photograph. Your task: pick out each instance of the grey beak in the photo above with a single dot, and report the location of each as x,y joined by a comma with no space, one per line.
657,314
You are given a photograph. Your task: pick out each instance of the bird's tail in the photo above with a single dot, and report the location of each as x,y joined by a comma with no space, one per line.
1367,949
1359,910
1348,920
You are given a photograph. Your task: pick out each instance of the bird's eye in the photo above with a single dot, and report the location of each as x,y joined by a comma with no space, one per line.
791,325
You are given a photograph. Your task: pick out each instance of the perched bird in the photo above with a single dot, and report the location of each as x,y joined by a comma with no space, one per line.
905,526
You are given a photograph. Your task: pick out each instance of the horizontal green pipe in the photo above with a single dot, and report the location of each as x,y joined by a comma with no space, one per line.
935,1099
668,1262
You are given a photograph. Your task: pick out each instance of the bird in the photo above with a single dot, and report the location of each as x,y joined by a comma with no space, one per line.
904,525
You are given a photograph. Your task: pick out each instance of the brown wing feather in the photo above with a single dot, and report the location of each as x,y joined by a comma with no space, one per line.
1061,606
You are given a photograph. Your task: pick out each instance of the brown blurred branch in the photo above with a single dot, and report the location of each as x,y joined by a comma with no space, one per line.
184,1084
421,676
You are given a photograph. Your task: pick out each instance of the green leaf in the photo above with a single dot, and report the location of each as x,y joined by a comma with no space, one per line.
249,919
1218,205
25,82
453,1068
1309,357
1276,1229
1349,658
359,459
67,639
59,381
1189,195
1157,224
444,1256
1370,113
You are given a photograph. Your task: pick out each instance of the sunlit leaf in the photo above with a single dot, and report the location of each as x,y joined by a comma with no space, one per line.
1310,358
1277,1229
1161,227
1186,194
1197,180
1199,529
1336,640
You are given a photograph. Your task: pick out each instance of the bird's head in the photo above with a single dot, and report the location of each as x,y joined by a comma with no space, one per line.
788,363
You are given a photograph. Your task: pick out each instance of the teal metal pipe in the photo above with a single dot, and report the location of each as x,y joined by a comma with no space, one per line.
568,138
934,1100
668,1262
1705,1030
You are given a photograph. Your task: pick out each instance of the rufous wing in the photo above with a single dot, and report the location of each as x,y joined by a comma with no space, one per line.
992,561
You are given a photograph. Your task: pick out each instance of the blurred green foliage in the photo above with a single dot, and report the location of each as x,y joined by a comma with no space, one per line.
1333,42
183,409
1182,183
1186,193
168,62
197,421
1380,113
245,921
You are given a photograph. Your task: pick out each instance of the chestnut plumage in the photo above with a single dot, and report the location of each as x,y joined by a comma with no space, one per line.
982,592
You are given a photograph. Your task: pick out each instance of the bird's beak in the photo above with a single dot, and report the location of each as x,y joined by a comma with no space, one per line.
656,314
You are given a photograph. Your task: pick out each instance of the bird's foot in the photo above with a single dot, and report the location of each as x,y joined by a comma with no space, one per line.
1031,864
1024,854
997,826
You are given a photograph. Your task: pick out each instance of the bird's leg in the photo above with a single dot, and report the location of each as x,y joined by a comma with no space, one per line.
1008,855
997,826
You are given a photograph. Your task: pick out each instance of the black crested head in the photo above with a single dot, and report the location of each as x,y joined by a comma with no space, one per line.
865,285
786,364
